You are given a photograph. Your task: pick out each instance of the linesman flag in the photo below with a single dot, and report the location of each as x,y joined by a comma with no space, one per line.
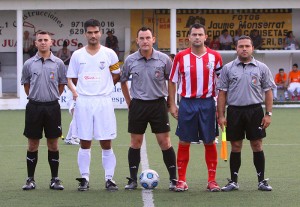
224,146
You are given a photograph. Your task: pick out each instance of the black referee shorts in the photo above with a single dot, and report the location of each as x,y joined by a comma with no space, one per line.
143,112
245,120
42,116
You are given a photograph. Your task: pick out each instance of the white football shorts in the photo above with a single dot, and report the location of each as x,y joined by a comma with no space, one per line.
95,118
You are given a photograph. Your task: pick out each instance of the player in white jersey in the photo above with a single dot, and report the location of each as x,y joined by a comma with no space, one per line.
94,69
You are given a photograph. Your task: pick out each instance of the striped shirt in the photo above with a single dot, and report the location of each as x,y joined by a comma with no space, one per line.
196,75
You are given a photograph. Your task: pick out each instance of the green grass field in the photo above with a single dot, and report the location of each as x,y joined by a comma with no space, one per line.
281,149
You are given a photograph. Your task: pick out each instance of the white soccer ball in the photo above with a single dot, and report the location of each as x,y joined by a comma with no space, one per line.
149,179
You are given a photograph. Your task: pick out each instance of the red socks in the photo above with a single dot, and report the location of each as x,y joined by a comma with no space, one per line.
183,157
211,157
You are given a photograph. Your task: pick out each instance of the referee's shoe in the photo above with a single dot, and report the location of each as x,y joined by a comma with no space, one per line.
30,184
264,186
55,184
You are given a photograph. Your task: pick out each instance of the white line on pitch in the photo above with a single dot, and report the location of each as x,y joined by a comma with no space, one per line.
121,145
147,195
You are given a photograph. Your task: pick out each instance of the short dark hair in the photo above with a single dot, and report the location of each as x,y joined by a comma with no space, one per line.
224,30
172,55
281,69
296,65
144,29
42,32
197,26
289,33
244,37
91,23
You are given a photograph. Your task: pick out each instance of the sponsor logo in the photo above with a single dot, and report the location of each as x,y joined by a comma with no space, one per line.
31,160
54,160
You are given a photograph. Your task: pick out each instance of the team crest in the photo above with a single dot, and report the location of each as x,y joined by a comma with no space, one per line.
210,65
254,80
52,75
102,65
157,74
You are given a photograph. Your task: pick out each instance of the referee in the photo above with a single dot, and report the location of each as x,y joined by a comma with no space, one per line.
242,84
149,69
44,78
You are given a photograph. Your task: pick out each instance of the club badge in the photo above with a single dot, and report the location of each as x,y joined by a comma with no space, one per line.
102,65
52,75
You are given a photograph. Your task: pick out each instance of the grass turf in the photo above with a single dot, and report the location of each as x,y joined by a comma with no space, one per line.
281,149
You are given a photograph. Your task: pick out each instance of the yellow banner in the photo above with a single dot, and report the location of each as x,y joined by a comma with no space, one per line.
272,24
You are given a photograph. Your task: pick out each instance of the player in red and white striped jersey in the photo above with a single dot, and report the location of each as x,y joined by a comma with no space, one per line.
195,71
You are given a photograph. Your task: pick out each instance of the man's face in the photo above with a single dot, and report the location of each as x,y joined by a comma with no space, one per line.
244,50
43,42
295,68
281,73
145,40
93,35
197,37
109,34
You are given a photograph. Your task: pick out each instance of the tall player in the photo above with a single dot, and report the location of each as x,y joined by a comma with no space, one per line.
194,69
95,68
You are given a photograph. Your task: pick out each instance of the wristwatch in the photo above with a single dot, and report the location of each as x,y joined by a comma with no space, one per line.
269,113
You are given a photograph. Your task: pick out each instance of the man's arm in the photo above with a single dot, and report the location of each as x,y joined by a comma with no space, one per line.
116,78
221,104
266,121
61,88
72,88
125,91
27,88
171,99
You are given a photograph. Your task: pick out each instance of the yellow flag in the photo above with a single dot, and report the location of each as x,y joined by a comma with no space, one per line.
224,146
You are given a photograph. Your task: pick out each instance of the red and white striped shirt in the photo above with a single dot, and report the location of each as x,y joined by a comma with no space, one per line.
196,75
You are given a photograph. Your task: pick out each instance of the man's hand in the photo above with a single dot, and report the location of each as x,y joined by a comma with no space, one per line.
174,111
266,121
222,122
75,95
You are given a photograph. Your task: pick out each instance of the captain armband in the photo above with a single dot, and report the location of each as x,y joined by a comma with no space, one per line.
115,68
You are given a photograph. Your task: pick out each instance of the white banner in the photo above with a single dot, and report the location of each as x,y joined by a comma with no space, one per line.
63,24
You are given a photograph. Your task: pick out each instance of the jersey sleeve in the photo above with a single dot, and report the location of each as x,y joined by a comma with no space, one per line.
219,64
62,72
73,66
268,80
223,80
25,73
114,66
125,71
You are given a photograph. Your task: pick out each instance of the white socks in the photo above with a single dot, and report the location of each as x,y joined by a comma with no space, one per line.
108,163
84,160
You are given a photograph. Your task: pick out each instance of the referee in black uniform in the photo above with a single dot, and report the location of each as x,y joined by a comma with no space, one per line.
242,84
146,101
44,78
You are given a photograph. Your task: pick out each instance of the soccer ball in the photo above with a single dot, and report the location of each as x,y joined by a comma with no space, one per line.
149,179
